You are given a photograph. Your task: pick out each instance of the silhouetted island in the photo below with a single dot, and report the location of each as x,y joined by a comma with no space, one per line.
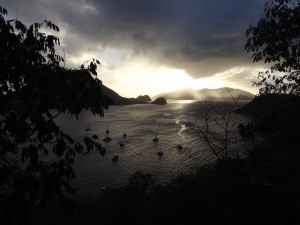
116,99
185,94
143,98
160,101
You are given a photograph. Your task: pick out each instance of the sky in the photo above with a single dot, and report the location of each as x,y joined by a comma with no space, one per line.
153,46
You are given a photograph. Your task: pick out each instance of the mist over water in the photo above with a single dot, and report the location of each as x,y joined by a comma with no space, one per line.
140,123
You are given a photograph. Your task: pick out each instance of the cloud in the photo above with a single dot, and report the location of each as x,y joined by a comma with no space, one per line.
202,37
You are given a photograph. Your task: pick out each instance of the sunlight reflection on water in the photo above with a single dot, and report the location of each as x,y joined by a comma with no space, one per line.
140,123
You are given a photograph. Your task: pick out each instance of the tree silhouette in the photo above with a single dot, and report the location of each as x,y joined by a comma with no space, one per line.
216,125
34,90
276,40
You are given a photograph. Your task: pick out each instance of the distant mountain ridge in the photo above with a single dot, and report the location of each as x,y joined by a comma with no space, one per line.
119,100
224,93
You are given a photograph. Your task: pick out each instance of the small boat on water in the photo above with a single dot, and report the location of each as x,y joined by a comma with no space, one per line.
107,139
160,152
179,146
115,158
121,143
155,139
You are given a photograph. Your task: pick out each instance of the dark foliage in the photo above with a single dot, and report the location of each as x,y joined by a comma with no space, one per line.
261,189
160,101
276,39
34,89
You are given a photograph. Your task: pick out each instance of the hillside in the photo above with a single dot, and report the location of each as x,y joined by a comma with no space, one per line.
271,103
119,100
207,94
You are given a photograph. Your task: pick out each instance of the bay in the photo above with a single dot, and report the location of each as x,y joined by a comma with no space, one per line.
140,123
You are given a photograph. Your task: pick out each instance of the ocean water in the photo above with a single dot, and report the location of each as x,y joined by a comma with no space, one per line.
140,123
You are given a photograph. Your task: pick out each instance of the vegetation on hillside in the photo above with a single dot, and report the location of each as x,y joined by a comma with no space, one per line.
275,40
262,188
35,88
116,99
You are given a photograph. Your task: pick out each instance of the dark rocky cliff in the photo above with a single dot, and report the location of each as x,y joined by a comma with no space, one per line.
119,100
160,101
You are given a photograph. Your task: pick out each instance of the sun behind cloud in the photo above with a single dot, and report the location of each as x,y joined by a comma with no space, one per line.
131,76
140,77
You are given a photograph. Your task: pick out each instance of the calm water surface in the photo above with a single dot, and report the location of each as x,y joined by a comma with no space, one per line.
140,123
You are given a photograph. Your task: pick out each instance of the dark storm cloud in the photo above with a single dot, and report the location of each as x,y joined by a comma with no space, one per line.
200,36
